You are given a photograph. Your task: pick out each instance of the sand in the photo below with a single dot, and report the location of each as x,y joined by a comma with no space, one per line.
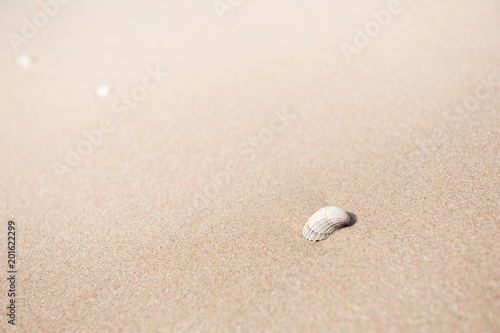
186,211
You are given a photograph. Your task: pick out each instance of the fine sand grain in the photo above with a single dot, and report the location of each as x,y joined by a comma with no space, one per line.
184,206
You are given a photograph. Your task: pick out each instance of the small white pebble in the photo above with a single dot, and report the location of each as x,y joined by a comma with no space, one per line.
25,60
103,91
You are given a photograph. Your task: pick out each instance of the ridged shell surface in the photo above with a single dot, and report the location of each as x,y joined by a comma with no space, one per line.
325,222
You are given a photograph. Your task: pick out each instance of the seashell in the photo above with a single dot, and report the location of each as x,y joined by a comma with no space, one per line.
325,222
103,91
25,60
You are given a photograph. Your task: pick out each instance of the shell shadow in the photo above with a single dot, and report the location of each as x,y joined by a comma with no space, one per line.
354,219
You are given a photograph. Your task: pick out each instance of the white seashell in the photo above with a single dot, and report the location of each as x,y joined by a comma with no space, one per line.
325,222
103,91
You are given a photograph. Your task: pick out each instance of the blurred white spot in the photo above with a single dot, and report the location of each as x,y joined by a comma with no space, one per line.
103,91
25,60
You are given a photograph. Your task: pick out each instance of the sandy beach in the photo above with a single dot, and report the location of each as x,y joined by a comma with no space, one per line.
160,159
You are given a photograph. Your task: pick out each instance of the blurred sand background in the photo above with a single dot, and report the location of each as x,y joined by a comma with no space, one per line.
149,233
